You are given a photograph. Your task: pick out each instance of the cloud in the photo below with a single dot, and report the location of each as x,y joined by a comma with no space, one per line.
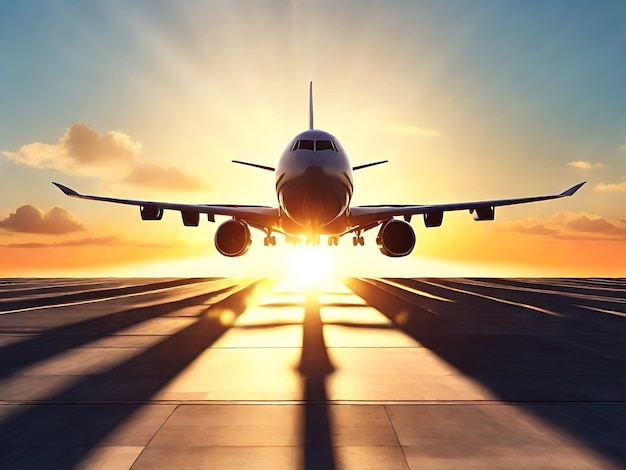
413,131
584,223
29,219
109,240
585,165
152,175
611,186
569,225
528,228
82,151
113,156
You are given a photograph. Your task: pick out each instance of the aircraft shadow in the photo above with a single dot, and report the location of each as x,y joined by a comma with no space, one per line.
315,366
64,434
541,350
14,357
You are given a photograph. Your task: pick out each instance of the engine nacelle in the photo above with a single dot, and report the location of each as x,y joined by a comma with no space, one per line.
151,213
396,238
232,238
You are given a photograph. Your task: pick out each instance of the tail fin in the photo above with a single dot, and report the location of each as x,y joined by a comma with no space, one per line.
311,105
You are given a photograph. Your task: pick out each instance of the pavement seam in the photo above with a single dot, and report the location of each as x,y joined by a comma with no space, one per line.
155,433
395,433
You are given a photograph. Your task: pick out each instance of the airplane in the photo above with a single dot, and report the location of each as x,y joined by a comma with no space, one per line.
314,186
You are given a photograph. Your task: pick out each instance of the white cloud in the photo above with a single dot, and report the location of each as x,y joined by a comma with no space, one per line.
82,151
151,175
112,156
611,186
585,165
29,219
570,225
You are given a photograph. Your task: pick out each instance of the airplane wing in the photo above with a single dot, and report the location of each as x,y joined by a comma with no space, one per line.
263,216
361,216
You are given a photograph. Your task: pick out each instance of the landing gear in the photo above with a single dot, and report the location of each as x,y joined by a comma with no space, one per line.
313,240
269,239
291,240
333,241
358,240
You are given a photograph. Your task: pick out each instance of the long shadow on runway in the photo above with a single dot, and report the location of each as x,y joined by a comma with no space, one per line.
17,356
565,365
82,295
315,366
59,436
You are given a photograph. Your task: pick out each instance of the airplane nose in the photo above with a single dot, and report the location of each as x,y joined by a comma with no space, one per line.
314,197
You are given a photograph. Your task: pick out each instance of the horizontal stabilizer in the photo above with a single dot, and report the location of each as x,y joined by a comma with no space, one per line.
358,167
256,165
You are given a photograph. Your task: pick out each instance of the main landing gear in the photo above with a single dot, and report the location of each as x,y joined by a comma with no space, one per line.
358,239
291,240
269,239
313,240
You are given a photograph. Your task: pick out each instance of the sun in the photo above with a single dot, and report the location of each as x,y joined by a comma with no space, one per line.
310,264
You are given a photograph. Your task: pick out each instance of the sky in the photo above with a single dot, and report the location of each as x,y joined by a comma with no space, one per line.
467,100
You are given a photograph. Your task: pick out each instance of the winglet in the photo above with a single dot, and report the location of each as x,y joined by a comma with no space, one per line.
572,190
67,191
311,105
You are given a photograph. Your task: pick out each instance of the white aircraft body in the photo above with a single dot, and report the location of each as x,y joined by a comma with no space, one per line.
314,187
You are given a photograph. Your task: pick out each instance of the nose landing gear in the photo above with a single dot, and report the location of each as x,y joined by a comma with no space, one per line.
313,240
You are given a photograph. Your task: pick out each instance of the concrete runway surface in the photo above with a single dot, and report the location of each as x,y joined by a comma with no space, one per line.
341,374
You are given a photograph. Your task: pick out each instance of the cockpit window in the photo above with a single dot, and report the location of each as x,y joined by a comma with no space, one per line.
307,145
324,145
317,145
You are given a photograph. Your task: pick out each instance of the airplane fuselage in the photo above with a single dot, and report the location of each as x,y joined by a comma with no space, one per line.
314,185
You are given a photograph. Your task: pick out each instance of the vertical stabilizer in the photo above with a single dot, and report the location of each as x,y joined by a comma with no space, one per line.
310,105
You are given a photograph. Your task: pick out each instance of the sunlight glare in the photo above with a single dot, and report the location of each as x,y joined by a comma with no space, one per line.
311,264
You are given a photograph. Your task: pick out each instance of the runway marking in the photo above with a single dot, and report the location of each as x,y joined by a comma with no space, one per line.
546,291
408,289
105,299
495,299
602,310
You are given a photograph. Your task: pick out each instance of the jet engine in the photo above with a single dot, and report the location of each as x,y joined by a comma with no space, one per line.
232,238
396,238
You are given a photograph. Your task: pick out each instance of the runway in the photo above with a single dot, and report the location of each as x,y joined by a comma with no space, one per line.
335,374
